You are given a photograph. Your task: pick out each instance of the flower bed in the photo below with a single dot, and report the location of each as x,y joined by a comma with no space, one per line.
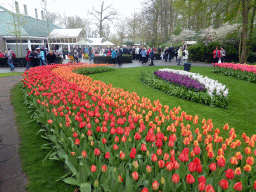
184,92
239,71
181,80
114,140
213,87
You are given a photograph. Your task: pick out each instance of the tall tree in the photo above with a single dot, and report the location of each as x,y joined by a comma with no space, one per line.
105,14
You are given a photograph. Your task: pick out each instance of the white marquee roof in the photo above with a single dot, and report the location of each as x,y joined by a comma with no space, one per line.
108,43
65,33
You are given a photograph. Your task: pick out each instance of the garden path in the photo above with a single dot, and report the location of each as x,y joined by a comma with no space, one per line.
12,179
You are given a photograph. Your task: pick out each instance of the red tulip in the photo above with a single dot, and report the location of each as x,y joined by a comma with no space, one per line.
75,135
133,153
96,152
230,174
199,168
209,188
122,156
223,184
161,164
116,139
135,175
202,179
175,178
120,179
159,152
169,166
115,147
137,136
107,155
154,157
148,169
93,168
212,166
221,162
104,141
143,147
192,167
155,185
104,168
238,186
77,141
201,186
190,179
144,190
254,186
84,154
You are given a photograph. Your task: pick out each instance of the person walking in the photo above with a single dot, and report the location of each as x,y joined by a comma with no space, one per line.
185,56
223,54
9,56
166,54
120,57
90,54
216,55
143,55
148,51
137,52
170,53
159,49
179,56
42,57
113,56
151,56
28,58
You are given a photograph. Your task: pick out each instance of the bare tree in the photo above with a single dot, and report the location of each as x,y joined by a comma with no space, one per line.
109,13
121,30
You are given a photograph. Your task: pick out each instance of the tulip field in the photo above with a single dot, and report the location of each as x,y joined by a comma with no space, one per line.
111,139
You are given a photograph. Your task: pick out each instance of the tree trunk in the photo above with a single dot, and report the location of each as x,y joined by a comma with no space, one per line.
245,13
101,11
252,21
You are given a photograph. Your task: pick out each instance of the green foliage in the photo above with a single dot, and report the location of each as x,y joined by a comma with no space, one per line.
238,74
91,70
129,43
202,53
22,62
158,56
177,30
9,74
107,59
163,45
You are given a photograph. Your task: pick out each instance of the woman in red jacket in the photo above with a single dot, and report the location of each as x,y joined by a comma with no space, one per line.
216,55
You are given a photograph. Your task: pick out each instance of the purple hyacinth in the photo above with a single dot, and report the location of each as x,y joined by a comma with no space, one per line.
181,80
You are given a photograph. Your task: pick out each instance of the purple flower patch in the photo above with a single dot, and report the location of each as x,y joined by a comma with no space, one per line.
181,80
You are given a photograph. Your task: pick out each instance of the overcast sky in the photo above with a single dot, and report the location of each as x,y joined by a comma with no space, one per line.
75,7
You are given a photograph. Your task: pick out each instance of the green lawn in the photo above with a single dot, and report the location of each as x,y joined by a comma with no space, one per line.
42,176
9,74
240,114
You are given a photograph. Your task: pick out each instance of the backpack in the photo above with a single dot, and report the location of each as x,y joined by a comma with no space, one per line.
13,55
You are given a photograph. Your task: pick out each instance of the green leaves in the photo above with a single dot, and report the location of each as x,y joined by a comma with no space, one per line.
71,167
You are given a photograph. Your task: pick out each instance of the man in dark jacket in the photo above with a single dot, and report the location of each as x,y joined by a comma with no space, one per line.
51,57
120,57
151,56
34,58
170,53
90,54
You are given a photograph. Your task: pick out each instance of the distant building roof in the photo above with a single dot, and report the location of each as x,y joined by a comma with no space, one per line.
65,33
28,25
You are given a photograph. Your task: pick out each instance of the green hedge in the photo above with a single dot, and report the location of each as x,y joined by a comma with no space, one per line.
22,62
200,52
107,59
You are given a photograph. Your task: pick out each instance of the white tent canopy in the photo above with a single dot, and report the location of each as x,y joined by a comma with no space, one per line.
65,33
108,43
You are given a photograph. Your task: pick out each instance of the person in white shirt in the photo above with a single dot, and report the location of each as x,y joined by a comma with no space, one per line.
185,55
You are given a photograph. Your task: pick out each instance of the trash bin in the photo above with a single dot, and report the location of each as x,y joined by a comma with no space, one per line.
187,66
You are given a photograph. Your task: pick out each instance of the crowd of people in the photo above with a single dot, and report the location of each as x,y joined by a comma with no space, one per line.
41,56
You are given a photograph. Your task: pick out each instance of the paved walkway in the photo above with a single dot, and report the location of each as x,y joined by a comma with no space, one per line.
12,179
125,65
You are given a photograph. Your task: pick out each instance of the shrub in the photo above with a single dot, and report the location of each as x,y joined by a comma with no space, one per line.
22,62
158,56
107,59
